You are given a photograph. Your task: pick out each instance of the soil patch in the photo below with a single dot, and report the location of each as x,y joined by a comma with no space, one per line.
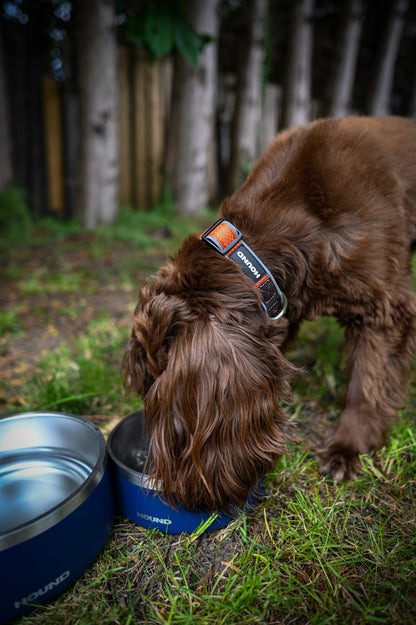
55,291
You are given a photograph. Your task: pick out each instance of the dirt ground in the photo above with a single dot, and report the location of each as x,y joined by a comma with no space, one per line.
48,313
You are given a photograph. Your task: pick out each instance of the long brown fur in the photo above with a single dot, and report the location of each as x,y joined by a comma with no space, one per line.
331,211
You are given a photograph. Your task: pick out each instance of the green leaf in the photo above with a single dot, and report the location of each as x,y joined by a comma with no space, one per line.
134,31
158,32
187,42
163,28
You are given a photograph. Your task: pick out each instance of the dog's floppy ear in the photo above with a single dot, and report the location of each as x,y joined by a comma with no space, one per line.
158,318
213,415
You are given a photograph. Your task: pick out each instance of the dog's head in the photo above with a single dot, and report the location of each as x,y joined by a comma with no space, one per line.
205,358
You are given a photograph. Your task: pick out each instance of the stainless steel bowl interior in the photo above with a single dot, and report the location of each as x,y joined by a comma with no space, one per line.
128,448
46,460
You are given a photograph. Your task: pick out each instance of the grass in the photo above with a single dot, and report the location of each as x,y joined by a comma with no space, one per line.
312,552
9,323
83,377
15,219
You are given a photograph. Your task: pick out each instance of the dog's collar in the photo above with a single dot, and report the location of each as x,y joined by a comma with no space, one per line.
228,241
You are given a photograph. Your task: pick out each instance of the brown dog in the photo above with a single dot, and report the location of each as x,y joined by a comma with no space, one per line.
329,215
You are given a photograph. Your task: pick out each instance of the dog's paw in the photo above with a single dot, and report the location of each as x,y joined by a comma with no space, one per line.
339,462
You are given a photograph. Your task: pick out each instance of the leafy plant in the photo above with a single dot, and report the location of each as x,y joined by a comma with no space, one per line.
161,27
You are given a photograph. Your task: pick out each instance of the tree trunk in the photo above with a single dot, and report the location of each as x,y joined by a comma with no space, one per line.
191,131
6,169
97,53
299,76
379,97
246,133
270,114
342,82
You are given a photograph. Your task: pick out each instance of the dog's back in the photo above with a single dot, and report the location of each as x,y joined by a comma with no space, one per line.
397,138
336,166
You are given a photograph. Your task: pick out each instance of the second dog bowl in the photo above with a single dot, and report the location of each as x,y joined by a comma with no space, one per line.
135,492
56,506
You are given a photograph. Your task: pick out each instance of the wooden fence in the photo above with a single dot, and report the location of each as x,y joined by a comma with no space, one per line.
144,104
53,144
144,98
144,109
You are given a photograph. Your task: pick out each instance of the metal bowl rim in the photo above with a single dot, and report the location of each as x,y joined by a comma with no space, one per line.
131,475
147,484
48,519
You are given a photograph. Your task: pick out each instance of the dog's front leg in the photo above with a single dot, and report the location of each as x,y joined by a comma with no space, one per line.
360,429
378,360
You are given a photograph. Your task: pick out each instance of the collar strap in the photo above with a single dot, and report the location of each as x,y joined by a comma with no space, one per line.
228,241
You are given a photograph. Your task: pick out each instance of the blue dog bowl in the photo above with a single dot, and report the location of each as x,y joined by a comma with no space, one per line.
135,492
56,506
